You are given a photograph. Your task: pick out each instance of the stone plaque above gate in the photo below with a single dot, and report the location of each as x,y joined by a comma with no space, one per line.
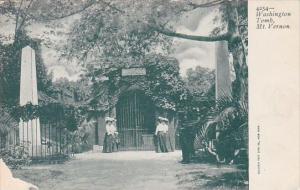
134,72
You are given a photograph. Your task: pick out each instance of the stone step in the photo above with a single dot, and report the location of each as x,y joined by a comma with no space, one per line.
97,148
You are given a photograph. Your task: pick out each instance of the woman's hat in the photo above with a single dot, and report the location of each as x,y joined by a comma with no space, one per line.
163,119
108,119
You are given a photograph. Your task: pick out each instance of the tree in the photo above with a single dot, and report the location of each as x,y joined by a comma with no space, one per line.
25,12
114,36
234,17
200,80
165,86
131,29
200,85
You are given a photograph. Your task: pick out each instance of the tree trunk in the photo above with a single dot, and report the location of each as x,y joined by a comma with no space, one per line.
235,46
240,85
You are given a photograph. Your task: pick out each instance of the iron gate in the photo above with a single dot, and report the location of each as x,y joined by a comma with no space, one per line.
135,121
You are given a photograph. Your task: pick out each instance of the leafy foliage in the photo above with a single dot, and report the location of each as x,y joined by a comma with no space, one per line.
9,76
7,123
200,80
15,156
162,84
230,118
79,138
166,87
109,35
10,64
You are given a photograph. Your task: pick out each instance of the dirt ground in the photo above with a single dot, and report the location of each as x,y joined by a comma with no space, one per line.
132,171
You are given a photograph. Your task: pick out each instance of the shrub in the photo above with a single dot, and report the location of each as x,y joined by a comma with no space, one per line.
230,117
80,138
15,156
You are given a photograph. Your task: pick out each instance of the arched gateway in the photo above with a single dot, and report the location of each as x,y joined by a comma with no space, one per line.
135,114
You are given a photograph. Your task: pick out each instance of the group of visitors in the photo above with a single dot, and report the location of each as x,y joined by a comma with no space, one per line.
161,137
111,139
162,140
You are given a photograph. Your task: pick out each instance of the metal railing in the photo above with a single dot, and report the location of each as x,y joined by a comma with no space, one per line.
53,142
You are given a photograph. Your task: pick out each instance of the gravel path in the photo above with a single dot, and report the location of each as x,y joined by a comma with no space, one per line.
130,171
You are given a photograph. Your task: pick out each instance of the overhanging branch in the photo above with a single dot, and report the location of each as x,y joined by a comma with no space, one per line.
112,6
84,8
193,37
205,5
55,17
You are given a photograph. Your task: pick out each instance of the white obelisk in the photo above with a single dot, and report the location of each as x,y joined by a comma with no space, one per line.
223,71
29,132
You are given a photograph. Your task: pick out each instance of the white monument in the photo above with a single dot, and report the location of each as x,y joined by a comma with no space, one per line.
29,131
224,73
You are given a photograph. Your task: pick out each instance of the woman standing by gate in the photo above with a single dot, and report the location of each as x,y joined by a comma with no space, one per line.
109,139
161,135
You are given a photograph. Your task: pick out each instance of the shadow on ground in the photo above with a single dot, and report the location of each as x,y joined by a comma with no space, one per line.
216,178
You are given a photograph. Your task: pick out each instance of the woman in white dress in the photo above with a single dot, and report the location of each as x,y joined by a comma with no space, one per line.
161,135
109,135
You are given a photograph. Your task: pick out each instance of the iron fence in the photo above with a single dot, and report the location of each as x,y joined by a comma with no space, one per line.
45,141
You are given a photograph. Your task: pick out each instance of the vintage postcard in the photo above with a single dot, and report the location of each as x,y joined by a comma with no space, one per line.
149,94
